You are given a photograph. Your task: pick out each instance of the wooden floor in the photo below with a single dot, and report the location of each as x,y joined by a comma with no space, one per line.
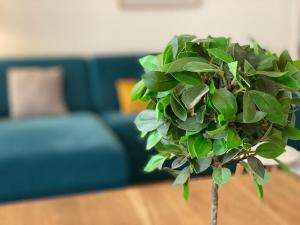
161,204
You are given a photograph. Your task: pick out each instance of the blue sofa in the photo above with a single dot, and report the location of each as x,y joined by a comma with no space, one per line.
93,147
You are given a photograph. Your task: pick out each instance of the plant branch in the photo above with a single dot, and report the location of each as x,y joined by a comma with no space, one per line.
214,204
242,89
221,74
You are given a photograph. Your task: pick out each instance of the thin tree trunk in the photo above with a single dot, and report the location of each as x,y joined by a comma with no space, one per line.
214,204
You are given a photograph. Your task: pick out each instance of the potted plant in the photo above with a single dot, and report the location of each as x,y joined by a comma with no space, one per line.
211,101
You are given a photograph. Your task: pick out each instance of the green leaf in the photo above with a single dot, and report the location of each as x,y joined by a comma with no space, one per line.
164,128
259,189
284,59
266,85
271,73
265,62
146,121
233,139
200,113
238,53
155,161
217,130
276,137
233,68
173,173
270,105
158,81
258,117
191,147
183,41
153,138
219,147
202,146
178,108
179,64
161,107
291,133
202,164
224,101
168,148
257,49
174,43
168,54
138,90
186,191
175,46
185,54
288,83
266,179
296,63
230,155
249,109
200,67
212,87
256,166
220,42
221,175
178,162
183,176
219,135
146,95
191,96
220,54
192,124
248,68
187,77
150,63
269,150
293,71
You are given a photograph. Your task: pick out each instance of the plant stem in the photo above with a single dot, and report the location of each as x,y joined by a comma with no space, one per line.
238,91
221,74
214,204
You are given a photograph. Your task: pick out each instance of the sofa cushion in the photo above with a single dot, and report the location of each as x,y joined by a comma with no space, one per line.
126,105
34,91
124,128
59,154
75,80
104,73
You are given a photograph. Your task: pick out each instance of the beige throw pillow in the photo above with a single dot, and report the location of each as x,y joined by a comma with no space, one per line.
34,91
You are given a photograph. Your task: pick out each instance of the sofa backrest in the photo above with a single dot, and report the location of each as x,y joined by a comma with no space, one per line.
75,80
104,73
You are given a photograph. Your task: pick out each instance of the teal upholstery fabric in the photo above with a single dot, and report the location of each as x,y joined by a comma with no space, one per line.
124,128
58,155
104,73
75,80
296,144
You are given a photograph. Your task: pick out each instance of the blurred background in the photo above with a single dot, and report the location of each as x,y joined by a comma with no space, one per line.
85,27
66,71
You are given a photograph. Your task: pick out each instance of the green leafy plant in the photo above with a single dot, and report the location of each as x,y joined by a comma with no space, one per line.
211,101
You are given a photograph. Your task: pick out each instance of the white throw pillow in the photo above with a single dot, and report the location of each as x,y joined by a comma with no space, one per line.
34,91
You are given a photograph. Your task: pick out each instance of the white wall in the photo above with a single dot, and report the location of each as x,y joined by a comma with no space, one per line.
87,27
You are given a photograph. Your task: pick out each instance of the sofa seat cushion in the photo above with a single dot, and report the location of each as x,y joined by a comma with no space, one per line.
124,128
57,155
